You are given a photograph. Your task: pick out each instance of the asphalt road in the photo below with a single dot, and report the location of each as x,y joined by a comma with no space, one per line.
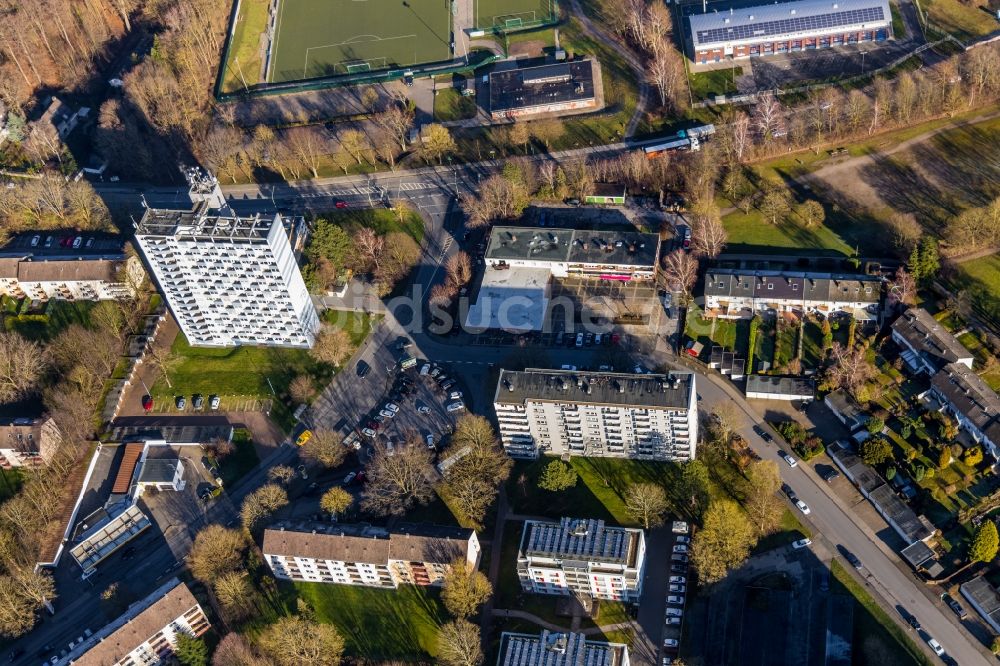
882,570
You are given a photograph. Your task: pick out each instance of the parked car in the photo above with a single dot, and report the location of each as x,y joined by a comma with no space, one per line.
597,339
214,401
676,599
670,643
392,407
363,369
35,240
853,559
679,557
678,568
197,401
830,475
424,409
455,395
579,339
349,479
435,371
339,203
77,242
678,579
147,402
934,645
425,368
763,434
787,489
803,507
181,402
386,413
680,548
801,543
683,539
788,459
674,621
677,587
303,437
679,527
448,384
456,406
430,442
954,606
674,612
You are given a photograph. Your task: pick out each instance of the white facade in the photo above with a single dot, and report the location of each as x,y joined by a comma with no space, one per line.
735,294
229,280
646,417
582,557
369,556
74,278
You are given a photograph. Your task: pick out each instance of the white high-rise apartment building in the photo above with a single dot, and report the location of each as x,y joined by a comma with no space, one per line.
581,556
229,280
601,414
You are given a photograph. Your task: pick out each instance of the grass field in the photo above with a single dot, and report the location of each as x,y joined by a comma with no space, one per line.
316,38
711,83
512,14
449,104
245,49
44,327
965,21
751,233
981,279
380,625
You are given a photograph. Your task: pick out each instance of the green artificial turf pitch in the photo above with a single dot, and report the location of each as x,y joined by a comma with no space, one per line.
513,14
318,38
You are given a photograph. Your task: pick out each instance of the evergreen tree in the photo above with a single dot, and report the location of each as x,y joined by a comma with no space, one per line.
985,542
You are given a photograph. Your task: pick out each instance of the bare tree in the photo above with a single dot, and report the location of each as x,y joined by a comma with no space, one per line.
355,143
396,120
459,644
399,257
473,481
666,72
308,145
438,142
647,503
708,234
261,503
903,288
811,213
849,370
767,117
725,420
296,641
398,480
498,199
301,389
17,613
763,507
369,246
332,346
325,448
459,268
22,364
216,550
234,650
775,205
465,589
280,474
681,271
235,593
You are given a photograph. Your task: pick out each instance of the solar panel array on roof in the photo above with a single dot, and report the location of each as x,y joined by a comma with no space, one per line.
794,24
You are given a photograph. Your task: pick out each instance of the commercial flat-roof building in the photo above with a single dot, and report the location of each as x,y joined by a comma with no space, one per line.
582,556
734,294
927,345
146,633
603,414
357,554
963,394
773,387
229,280
801,25
604,254
107,534
559,649
525,91
511,299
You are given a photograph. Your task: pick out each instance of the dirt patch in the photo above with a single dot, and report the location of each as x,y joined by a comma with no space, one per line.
531,49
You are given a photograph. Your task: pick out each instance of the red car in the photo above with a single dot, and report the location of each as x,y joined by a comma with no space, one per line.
147,403
340,204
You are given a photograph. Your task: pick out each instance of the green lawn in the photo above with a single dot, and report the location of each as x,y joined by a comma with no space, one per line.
785,345
877,639
382,220
357,324
751,233
450,104
812,344
379,625
981,280
713,82
244,51
791,529
965,21
239,462
58,315
898,27
598,491
725,334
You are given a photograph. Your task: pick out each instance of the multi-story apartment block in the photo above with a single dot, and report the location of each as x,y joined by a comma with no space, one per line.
229,280
28,441
648,417
145,635
581,556
410,554
735,294
926,345
57,266
964,394
559,649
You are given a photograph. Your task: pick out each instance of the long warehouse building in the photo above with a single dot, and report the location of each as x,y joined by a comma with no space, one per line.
787,27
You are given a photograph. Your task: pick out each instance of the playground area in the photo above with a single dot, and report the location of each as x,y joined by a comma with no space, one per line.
512,15
319,38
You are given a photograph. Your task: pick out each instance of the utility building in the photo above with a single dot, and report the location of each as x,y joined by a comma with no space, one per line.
787,27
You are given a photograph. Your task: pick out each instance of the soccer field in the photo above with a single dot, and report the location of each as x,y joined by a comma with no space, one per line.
315,38
513,14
